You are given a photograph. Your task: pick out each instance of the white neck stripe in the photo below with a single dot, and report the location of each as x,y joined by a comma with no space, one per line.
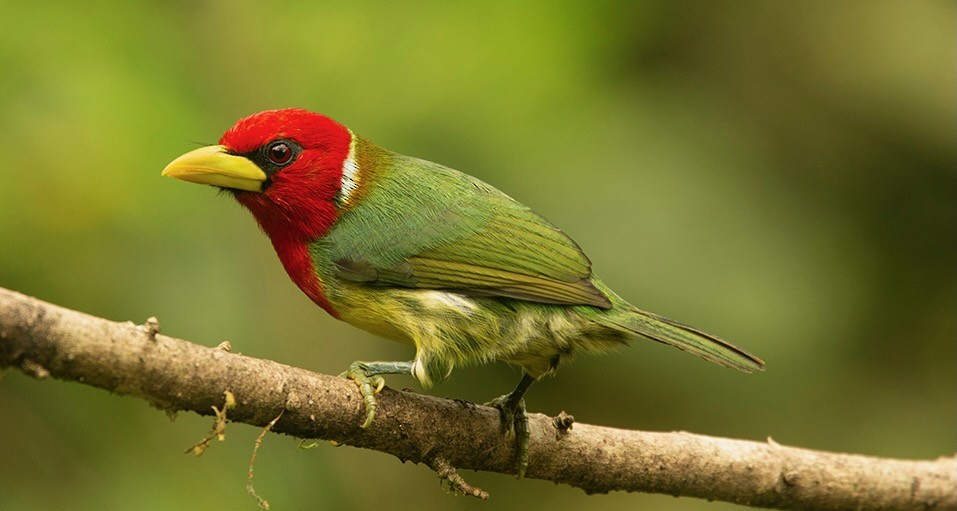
350,172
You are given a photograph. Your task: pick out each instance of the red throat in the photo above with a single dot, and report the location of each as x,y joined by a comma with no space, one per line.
298,204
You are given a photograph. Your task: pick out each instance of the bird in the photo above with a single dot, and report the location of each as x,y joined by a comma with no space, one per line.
423,254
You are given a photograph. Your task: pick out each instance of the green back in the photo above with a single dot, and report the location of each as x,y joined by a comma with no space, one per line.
422,225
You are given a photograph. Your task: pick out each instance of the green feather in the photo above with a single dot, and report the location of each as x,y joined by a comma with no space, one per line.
639,323
422,225
438,259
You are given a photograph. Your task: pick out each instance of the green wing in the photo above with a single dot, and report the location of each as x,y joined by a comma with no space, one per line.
427,226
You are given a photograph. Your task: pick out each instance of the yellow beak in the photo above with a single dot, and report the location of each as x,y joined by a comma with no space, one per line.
212,165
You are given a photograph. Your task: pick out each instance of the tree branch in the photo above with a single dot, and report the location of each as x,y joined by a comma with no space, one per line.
44,340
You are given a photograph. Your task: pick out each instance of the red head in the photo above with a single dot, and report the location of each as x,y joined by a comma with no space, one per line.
302,154
286,166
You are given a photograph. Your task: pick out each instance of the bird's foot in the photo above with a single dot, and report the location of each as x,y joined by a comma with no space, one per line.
369,386
367,377
514,419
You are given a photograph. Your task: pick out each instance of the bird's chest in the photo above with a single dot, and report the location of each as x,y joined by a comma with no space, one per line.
298,262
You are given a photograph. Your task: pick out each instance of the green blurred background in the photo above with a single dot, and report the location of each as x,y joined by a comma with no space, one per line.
780,173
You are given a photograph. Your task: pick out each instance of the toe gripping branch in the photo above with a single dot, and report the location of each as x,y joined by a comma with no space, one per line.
511,406
367,376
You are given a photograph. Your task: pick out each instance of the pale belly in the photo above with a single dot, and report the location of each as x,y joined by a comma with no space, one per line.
450,329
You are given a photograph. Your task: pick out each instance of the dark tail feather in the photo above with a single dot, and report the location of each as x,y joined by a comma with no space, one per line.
686,338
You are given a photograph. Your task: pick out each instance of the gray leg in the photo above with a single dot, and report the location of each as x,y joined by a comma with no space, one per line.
367,377
512,409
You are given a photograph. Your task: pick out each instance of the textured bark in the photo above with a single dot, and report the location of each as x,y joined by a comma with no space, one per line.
45,340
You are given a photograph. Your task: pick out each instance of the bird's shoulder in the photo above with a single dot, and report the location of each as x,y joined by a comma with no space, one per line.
424,225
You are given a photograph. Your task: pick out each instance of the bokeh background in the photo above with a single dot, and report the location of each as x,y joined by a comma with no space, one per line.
780,173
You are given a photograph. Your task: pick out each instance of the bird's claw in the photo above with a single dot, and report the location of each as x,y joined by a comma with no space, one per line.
514,419
369,386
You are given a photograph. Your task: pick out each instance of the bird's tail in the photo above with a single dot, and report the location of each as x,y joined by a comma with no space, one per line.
690,339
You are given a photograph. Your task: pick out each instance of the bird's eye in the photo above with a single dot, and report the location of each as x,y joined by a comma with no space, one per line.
279,153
